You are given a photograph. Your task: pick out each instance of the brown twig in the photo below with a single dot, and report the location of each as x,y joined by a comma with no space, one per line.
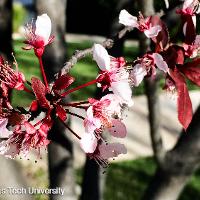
79,54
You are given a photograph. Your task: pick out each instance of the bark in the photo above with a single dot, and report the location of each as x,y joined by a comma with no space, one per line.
152,93
61,170
6,28
179,165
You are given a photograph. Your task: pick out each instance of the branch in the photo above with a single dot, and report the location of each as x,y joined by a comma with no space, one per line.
79,54
151,90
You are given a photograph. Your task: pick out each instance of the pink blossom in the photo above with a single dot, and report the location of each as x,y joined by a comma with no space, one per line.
147,66
144,25
4,132
24,138
113,75
191,50
114,108
91,123
12,78
38,34
88,142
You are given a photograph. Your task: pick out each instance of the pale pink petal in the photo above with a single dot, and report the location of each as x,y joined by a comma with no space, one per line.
160,63
43,27
114,107
153,31
30,129
111,150
4,132
197,41
137,74
123,91
127,19
9,150
88,142
91,123
118,129
100,55
187,3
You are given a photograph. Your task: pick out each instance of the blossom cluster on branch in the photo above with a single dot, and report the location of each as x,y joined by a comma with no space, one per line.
21,130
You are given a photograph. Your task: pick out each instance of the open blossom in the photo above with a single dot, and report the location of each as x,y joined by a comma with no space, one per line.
141,23
10,77
38,35
24,138
190,7
191,50
147,66
113,75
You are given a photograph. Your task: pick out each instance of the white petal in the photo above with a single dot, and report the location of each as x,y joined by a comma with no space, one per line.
123,91
184,28
166,3
43,27
100,55
194,19
137,74
88,143
127,19
187,3
153,31
160,63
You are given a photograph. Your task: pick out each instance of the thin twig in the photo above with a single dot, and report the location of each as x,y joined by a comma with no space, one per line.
79,54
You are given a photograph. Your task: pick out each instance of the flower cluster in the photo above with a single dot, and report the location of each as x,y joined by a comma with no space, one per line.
20,128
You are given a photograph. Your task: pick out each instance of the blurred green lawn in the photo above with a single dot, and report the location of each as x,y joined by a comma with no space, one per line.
128,180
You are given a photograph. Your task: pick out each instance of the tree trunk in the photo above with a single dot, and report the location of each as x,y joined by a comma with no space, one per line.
6,28
61,171
151,90
178,166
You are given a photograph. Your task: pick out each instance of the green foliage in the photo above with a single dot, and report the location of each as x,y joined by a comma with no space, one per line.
128,180
19,15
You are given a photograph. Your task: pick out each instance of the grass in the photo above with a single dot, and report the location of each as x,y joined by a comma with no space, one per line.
128,180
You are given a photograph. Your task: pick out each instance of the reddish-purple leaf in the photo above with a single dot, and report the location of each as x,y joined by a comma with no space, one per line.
190,30
63,82
192,71
118,129
15,119
163,37
61,113
174,55
40,92
1,60
183,101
